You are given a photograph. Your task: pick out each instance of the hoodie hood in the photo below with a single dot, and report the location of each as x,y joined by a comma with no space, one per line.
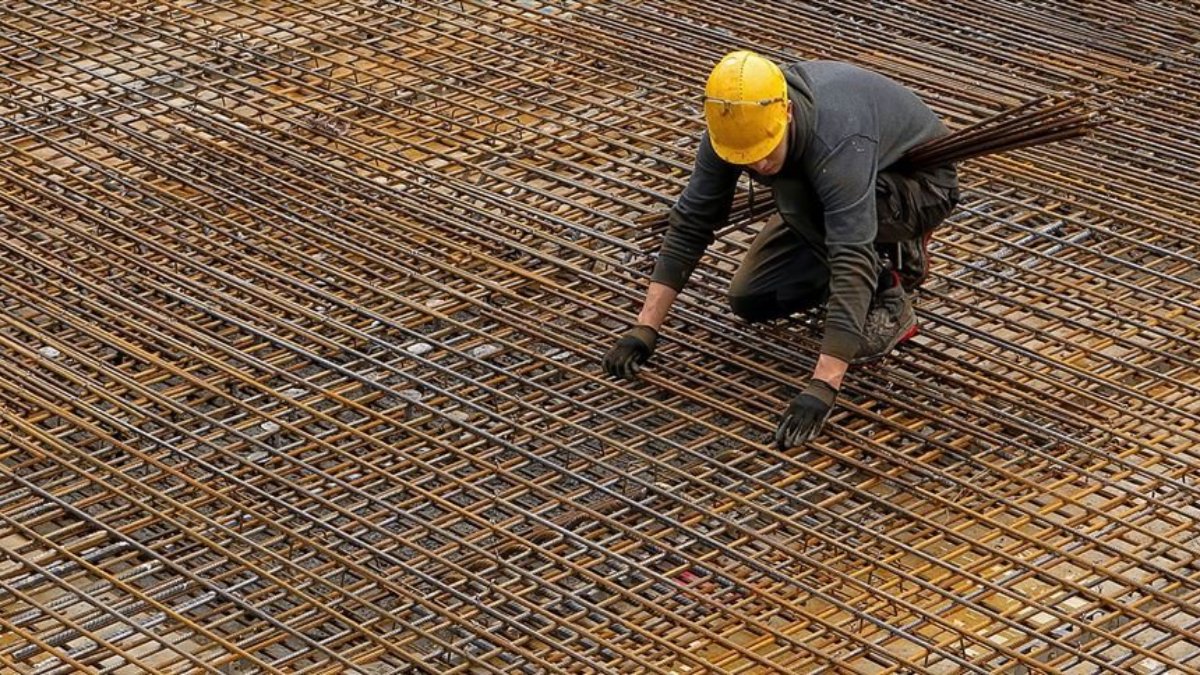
804,114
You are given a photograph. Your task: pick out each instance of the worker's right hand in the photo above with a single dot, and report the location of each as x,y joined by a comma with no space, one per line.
631,352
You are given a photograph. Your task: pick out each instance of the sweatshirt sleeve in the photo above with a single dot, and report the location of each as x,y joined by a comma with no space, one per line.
694,219
845,183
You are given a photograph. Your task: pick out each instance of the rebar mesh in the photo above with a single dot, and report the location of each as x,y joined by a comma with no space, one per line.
303,309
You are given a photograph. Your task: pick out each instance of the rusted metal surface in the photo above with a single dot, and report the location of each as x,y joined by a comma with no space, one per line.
303,308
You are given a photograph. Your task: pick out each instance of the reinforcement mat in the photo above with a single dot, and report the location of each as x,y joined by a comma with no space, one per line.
303,308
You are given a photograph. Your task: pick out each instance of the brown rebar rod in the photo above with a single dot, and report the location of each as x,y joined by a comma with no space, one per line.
1019,141
303,307
1048,131
1012,120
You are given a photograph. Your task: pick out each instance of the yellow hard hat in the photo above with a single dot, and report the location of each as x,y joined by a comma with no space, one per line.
745,106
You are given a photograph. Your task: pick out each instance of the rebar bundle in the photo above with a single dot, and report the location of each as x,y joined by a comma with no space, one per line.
1027,125
302,304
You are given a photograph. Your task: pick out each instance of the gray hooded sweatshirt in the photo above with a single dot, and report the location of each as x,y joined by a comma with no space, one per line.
848,124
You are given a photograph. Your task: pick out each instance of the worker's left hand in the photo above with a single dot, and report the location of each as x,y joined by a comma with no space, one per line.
806,415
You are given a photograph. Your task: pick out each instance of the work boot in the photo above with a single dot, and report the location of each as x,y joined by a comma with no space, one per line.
890,320
912,261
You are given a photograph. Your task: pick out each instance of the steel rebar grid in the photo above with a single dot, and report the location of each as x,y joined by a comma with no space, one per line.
304,303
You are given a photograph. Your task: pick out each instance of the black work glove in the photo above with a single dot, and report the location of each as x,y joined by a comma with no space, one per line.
632,350
803,419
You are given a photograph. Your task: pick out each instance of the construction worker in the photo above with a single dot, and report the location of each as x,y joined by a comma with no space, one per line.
853,226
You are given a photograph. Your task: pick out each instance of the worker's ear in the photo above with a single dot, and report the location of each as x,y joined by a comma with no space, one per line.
789,110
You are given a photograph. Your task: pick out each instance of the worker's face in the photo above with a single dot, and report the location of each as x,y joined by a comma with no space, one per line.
772,163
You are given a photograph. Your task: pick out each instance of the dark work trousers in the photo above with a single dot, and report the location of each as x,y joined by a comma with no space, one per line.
783,272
